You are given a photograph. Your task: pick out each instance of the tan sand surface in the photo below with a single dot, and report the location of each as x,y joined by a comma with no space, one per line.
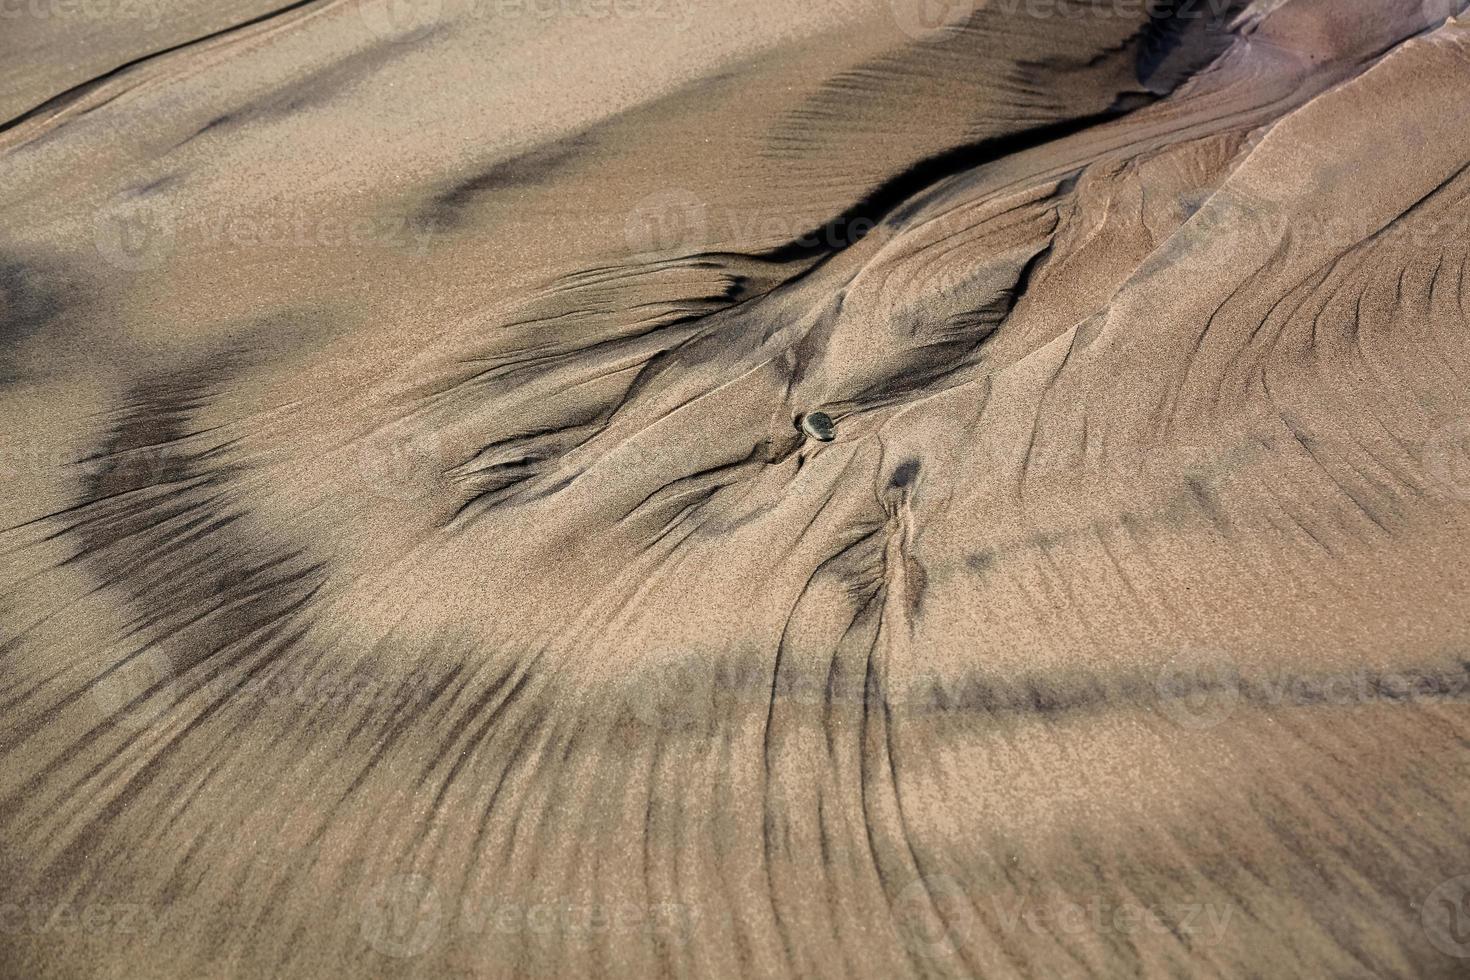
414,563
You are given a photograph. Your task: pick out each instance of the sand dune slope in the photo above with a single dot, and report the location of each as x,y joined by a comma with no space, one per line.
416,563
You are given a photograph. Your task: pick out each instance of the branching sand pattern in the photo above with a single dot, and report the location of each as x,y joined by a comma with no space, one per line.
423,555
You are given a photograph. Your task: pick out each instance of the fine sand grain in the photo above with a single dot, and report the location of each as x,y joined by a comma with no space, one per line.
795,488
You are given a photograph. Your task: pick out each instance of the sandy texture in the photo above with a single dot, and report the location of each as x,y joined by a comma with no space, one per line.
414,564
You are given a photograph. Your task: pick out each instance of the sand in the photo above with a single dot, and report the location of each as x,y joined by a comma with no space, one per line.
423,557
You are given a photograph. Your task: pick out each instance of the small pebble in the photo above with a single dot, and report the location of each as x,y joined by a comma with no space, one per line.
819,426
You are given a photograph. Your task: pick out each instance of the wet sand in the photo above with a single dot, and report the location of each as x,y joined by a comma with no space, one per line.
416,563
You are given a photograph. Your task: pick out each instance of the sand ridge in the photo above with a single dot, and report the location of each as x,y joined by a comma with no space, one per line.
416,564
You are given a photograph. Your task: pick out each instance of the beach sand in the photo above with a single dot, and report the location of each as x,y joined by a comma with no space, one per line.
415,563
